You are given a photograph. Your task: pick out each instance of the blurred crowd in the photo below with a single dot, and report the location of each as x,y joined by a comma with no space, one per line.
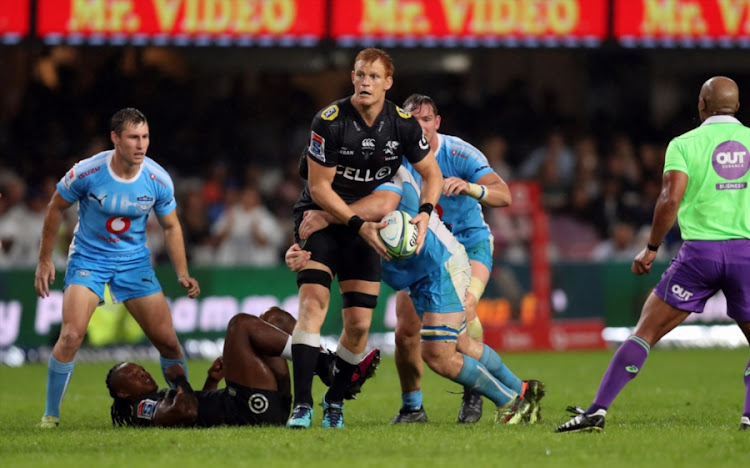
232,144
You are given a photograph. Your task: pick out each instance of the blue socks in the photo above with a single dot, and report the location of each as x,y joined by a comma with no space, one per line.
494,364
58,376
164,362
411,401
476,377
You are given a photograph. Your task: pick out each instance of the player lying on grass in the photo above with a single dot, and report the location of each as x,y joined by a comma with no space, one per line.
254,364
437,279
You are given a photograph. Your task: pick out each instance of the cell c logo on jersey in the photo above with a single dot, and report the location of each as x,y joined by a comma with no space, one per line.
731,160
118,225
258,403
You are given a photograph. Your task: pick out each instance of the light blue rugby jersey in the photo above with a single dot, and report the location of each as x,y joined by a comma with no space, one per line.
462,214
112,211
439,243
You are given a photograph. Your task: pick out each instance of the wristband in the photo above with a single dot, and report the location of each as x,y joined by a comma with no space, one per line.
426,208
355,223
182,382
652,247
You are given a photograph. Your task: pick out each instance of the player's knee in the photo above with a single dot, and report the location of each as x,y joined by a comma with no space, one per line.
358,299
279,318
435,357
407,335
240,323
70,339
314,277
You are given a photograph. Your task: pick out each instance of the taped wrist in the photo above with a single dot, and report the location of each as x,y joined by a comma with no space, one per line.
477,191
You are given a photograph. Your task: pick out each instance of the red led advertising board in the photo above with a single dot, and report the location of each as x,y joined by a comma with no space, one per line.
182,22
14,21
683,23
470,22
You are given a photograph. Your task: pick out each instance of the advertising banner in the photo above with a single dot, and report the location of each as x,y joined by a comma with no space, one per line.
682,23
470,23
182,22
14,21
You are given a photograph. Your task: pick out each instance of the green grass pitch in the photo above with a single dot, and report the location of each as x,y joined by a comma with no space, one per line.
683,410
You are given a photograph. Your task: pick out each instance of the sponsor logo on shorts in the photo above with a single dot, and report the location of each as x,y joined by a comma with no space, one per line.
317,147
681,293
84,273
258,403
330,113
632,369
730,160
146,409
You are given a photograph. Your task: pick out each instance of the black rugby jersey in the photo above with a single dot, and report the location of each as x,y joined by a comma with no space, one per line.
365,157
233,405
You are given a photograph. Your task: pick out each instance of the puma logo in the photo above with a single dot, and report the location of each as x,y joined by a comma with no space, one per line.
100,200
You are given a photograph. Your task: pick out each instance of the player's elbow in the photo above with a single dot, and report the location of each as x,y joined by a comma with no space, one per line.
318,193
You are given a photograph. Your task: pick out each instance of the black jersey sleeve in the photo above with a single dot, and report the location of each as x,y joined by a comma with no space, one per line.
324,144
413,141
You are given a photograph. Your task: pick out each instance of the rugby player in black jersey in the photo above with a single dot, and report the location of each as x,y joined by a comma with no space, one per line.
257,388
356,144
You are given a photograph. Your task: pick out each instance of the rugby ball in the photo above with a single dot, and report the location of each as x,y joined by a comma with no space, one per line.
399,236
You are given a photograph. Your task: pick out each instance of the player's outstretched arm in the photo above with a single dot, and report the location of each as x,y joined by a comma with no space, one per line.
180,409
370,208
432,185
45,270
176,250
490,189
215,374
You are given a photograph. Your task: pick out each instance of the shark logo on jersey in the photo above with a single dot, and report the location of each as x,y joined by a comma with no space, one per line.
391,147
100,200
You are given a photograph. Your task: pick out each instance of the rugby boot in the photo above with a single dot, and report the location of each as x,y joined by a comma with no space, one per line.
301,417
582,422
471,407
410,416
333,414
365,370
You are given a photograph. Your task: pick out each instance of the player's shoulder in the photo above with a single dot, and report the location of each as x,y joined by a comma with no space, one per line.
334,111
400,113
99,159
154,171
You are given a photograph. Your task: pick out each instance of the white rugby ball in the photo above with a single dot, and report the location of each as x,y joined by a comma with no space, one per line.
399,236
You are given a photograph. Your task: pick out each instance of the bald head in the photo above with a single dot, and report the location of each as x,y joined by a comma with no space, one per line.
719,96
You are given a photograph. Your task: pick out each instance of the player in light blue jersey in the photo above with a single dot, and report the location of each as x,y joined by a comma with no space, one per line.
115,191
468,181
436,280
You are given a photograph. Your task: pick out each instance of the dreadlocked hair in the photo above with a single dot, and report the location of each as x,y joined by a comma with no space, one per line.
121,410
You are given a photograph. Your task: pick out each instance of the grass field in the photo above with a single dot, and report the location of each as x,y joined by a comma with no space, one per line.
683,410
